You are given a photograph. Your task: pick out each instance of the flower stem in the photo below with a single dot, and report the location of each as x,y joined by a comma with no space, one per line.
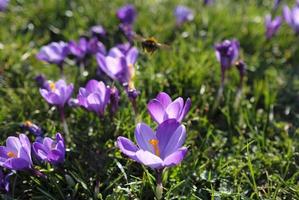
65,126
159,188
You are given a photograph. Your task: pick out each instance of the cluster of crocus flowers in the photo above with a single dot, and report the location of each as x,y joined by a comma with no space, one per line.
291,16
3,5
127,16
272,26
95,97
164,147
49,150
183,14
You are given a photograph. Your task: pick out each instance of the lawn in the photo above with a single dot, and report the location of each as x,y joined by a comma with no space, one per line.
237,149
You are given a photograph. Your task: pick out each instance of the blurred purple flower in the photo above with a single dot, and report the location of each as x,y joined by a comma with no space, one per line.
98,31
4,181
16,155
276,4
32,128
163,108
3,4
49,150
119,66
127,30
84,47
241,66
183,14
272,26
41,81
94,97
54,52
57,93
208,2
73,103
127,14
124,47
227,52
292,17
157,150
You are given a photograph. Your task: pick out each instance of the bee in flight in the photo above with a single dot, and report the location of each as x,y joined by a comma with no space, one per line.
150,45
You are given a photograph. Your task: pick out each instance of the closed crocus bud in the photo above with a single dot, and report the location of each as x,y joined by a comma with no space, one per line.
98,31
3,4
49,150
57,93
157,150
241,68
79,49
16,155
127,14
183,14
227,52
95,46
94,97
41,81
114,99
272,26
4,181
32,128
127,30
54,53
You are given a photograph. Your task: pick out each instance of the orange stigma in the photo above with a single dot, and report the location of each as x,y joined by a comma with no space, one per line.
28,123
154,143
11,154
52,86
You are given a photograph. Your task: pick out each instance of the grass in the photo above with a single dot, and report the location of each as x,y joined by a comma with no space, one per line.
249,152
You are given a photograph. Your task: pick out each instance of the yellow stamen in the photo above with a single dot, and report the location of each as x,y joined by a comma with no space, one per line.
132,76
11,154
155,143
52,86
28,123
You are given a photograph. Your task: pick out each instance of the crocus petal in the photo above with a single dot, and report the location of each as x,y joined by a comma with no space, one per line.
164,99
156,110
13,143
149,159
16,164
132,56
174,109
143,135
175,158
40,150
185,109
127,147
175,141
287,14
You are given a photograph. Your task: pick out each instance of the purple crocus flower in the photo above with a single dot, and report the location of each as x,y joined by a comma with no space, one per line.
292,17
127,14
94,97
57,93
119,66
84,47
54,52
4,181
208,2
98,31
3,4
226,53
16,155
41,81
159,149
163,108
272,26
49,150
127,30
32,128
183,14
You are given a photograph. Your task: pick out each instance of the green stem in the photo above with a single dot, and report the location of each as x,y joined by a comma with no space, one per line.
64,124
159,188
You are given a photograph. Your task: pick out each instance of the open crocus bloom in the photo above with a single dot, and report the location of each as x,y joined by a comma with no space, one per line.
156,150
292,17
16,155
54,52
57,93
162,108
117,65
49,150
94,97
